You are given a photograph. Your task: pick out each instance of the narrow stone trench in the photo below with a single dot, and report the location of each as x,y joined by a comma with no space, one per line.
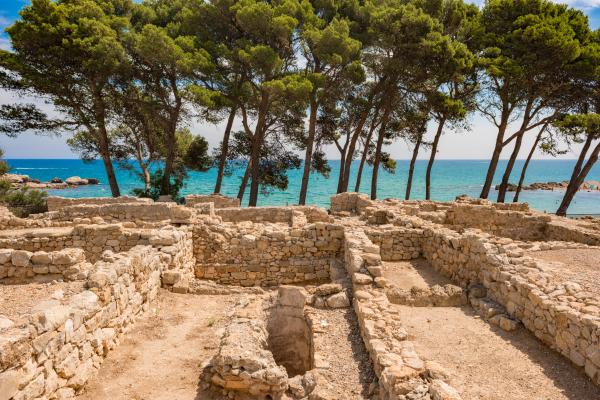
479,359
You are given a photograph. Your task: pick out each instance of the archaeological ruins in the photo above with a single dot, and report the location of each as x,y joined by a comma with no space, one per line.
415,300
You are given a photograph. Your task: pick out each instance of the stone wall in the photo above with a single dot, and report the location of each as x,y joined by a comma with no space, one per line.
20,266
562,314
248,254
351,203
121,212
292,216
66,340
56,203
218,200
401,372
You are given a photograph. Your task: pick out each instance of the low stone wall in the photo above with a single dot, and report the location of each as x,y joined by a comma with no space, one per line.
120,212
248,254
562,315
489,218
218,200
352,203
66,340
20,266
57,203
401,372
293,216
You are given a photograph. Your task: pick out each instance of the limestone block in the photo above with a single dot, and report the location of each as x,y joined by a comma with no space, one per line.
20,258
338,300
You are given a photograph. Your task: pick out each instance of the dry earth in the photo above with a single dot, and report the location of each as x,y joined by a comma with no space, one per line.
486,363
414,273
163,356
578,265
18,300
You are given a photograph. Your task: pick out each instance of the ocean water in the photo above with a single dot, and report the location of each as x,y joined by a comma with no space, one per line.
450,178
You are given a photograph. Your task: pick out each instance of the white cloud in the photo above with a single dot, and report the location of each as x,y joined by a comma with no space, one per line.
585,5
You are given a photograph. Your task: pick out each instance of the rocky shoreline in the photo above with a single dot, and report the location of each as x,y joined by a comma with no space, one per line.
24,181
588,186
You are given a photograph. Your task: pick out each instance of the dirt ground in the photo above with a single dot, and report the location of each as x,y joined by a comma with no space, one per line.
486,363
345,352
18,300
414,273
163,356
578,265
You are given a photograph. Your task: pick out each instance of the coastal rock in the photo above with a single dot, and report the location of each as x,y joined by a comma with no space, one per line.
76,181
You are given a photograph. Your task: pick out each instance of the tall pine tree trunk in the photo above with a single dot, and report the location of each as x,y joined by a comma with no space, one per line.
509,167
489,177
434,146
365,153
244,182
411,169
312,127
224,150
380,138
526,165
257,145
108,166
578,176
340,185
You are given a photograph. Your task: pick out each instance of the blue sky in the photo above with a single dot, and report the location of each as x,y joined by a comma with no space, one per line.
476,144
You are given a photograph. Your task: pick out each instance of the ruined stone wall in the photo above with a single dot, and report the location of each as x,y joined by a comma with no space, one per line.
352,203
398,243
507,223
218,200
20,266
56,203
401,372
121,212
293,216
520,224
250,254
65,341
561,314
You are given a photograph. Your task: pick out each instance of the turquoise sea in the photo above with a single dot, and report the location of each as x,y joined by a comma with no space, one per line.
450,178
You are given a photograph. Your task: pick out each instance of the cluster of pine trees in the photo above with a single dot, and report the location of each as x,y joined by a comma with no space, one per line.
128,77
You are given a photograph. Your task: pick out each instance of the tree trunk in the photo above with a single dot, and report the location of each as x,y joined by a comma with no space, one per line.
366,151
434,146
341,175
224,150
312,127
146,177
411,169
384,120
257,144
489,178
579,175
509,167
169,161
356,134
103,141
244,182
526,165
108,166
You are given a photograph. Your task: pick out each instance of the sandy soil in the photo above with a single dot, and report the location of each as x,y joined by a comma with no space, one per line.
36,232
163,356
408,274
16,301
578,265
485,363
345,352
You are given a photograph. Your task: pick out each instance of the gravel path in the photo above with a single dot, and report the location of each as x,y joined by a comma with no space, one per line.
350,371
